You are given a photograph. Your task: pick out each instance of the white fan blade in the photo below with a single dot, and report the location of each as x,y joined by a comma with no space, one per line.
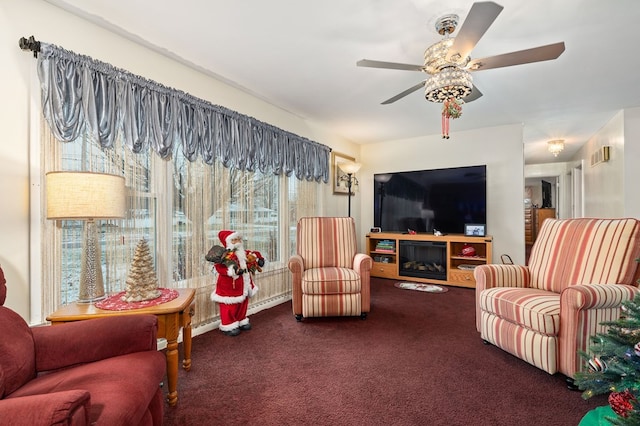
389,65
478,21
405,93
536,54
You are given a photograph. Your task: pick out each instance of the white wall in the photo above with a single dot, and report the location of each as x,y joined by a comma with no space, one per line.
631,163
610,187
604,183
14,183
500,148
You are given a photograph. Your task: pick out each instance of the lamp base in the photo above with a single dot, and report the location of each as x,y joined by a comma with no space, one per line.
91,282
92,300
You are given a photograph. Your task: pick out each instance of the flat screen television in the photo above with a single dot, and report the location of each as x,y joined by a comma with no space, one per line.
428,200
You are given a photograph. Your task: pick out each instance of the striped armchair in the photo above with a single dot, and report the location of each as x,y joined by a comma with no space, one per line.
580,271
329,277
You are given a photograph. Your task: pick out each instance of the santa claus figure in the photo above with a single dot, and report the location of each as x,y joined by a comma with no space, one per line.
235,267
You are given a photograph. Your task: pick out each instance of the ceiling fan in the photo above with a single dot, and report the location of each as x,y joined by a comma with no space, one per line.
448,63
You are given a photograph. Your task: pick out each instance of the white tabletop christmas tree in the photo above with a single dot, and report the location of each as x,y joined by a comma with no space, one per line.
142,282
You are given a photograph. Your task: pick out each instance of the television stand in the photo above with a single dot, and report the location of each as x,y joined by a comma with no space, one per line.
427,258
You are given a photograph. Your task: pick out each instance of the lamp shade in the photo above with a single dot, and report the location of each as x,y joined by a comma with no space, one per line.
85,195
349,168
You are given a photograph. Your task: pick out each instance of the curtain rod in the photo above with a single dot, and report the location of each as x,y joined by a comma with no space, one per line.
30,44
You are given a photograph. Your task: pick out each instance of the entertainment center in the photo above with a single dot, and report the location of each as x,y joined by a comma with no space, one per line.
434,224
428,258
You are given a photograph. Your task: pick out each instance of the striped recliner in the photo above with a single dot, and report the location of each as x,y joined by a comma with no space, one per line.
580,271
329,277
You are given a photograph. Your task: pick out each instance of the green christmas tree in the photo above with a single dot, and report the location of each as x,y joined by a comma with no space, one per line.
614,366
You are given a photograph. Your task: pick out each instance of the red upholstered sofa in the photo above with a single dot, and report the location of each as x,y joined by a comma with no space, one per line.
102,371
579,273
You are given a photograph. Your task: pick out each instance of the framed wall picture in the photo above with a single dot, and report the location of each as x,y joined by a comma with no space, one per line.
474,229
339,186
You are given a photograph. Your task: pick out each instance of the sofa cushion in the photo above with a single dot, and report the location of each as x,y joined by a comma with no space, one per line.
17,353
537,310
584,251
331,280
535,348
332,305
338,241
121,387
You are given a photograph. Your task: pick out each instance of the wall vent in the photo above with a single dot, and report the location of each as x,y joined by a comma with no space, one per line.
600,156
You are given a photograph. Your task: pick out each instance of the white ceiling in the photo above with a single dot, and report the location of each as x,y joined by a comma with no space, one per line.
301,56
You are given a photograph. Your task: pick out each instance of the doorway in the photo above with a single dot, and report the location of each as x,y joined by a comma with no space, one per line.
542,201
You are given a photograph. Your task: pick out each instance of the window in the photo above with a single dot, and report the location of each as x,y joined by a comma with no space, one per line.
178,207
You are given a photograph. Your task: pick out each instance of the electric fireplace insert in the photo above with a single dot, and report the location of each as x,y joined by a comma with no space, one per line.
423,259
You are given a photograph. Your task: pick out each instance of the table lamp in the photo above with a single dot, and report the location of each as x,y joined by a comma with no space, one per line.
86,196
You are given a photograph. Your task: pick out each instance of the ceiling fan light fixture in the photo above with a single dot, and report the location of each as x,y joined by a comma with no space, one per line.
555,146
452,82
448,63
436,54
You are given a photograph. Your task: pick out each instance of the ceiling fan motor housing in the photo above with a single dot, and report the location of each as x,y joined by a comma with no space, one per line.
447,24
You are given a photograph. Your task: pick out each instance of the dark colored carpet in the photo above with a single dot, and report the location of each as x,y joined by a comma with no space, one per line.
416,360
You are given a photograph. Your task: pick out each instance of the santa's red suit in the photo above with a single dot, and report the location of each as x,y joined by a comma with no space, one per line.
234,285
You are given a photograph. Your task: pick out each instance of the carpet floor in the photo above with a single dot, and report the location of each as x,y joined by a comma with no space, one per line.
416,360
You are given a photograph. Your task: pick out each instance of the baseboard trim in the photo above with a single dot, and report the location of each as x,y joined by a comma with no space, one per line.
205,328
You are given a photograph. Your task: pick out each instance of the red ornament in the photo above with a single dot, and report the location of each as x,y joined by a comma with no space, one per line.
620,402
468,250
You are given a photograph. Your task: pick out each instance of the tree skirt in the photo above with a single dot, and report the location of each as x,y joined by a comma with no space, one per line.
115,302
428,288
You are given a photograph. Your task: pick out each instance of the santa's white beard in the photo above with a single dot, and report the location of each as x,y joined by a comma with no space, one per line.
240,253
235,246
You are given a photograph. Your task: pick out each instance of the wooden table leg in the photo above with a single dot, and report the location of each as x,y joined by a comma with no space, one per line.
172,324
172,371
186,337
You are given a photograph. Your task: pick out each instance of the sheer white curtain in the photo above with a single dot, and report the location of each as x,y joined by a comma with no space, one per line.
179,207
62,240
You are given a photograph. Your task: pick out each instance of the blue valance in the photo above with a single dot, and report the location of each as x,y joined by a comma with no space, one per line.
80,93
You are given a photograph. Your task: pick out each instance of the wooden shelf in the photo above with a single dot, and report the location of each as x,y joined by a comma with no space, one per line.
482,259
386,264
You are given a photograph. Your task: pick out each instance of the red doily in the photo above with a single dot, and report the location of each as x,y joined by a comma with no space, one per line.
115,302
